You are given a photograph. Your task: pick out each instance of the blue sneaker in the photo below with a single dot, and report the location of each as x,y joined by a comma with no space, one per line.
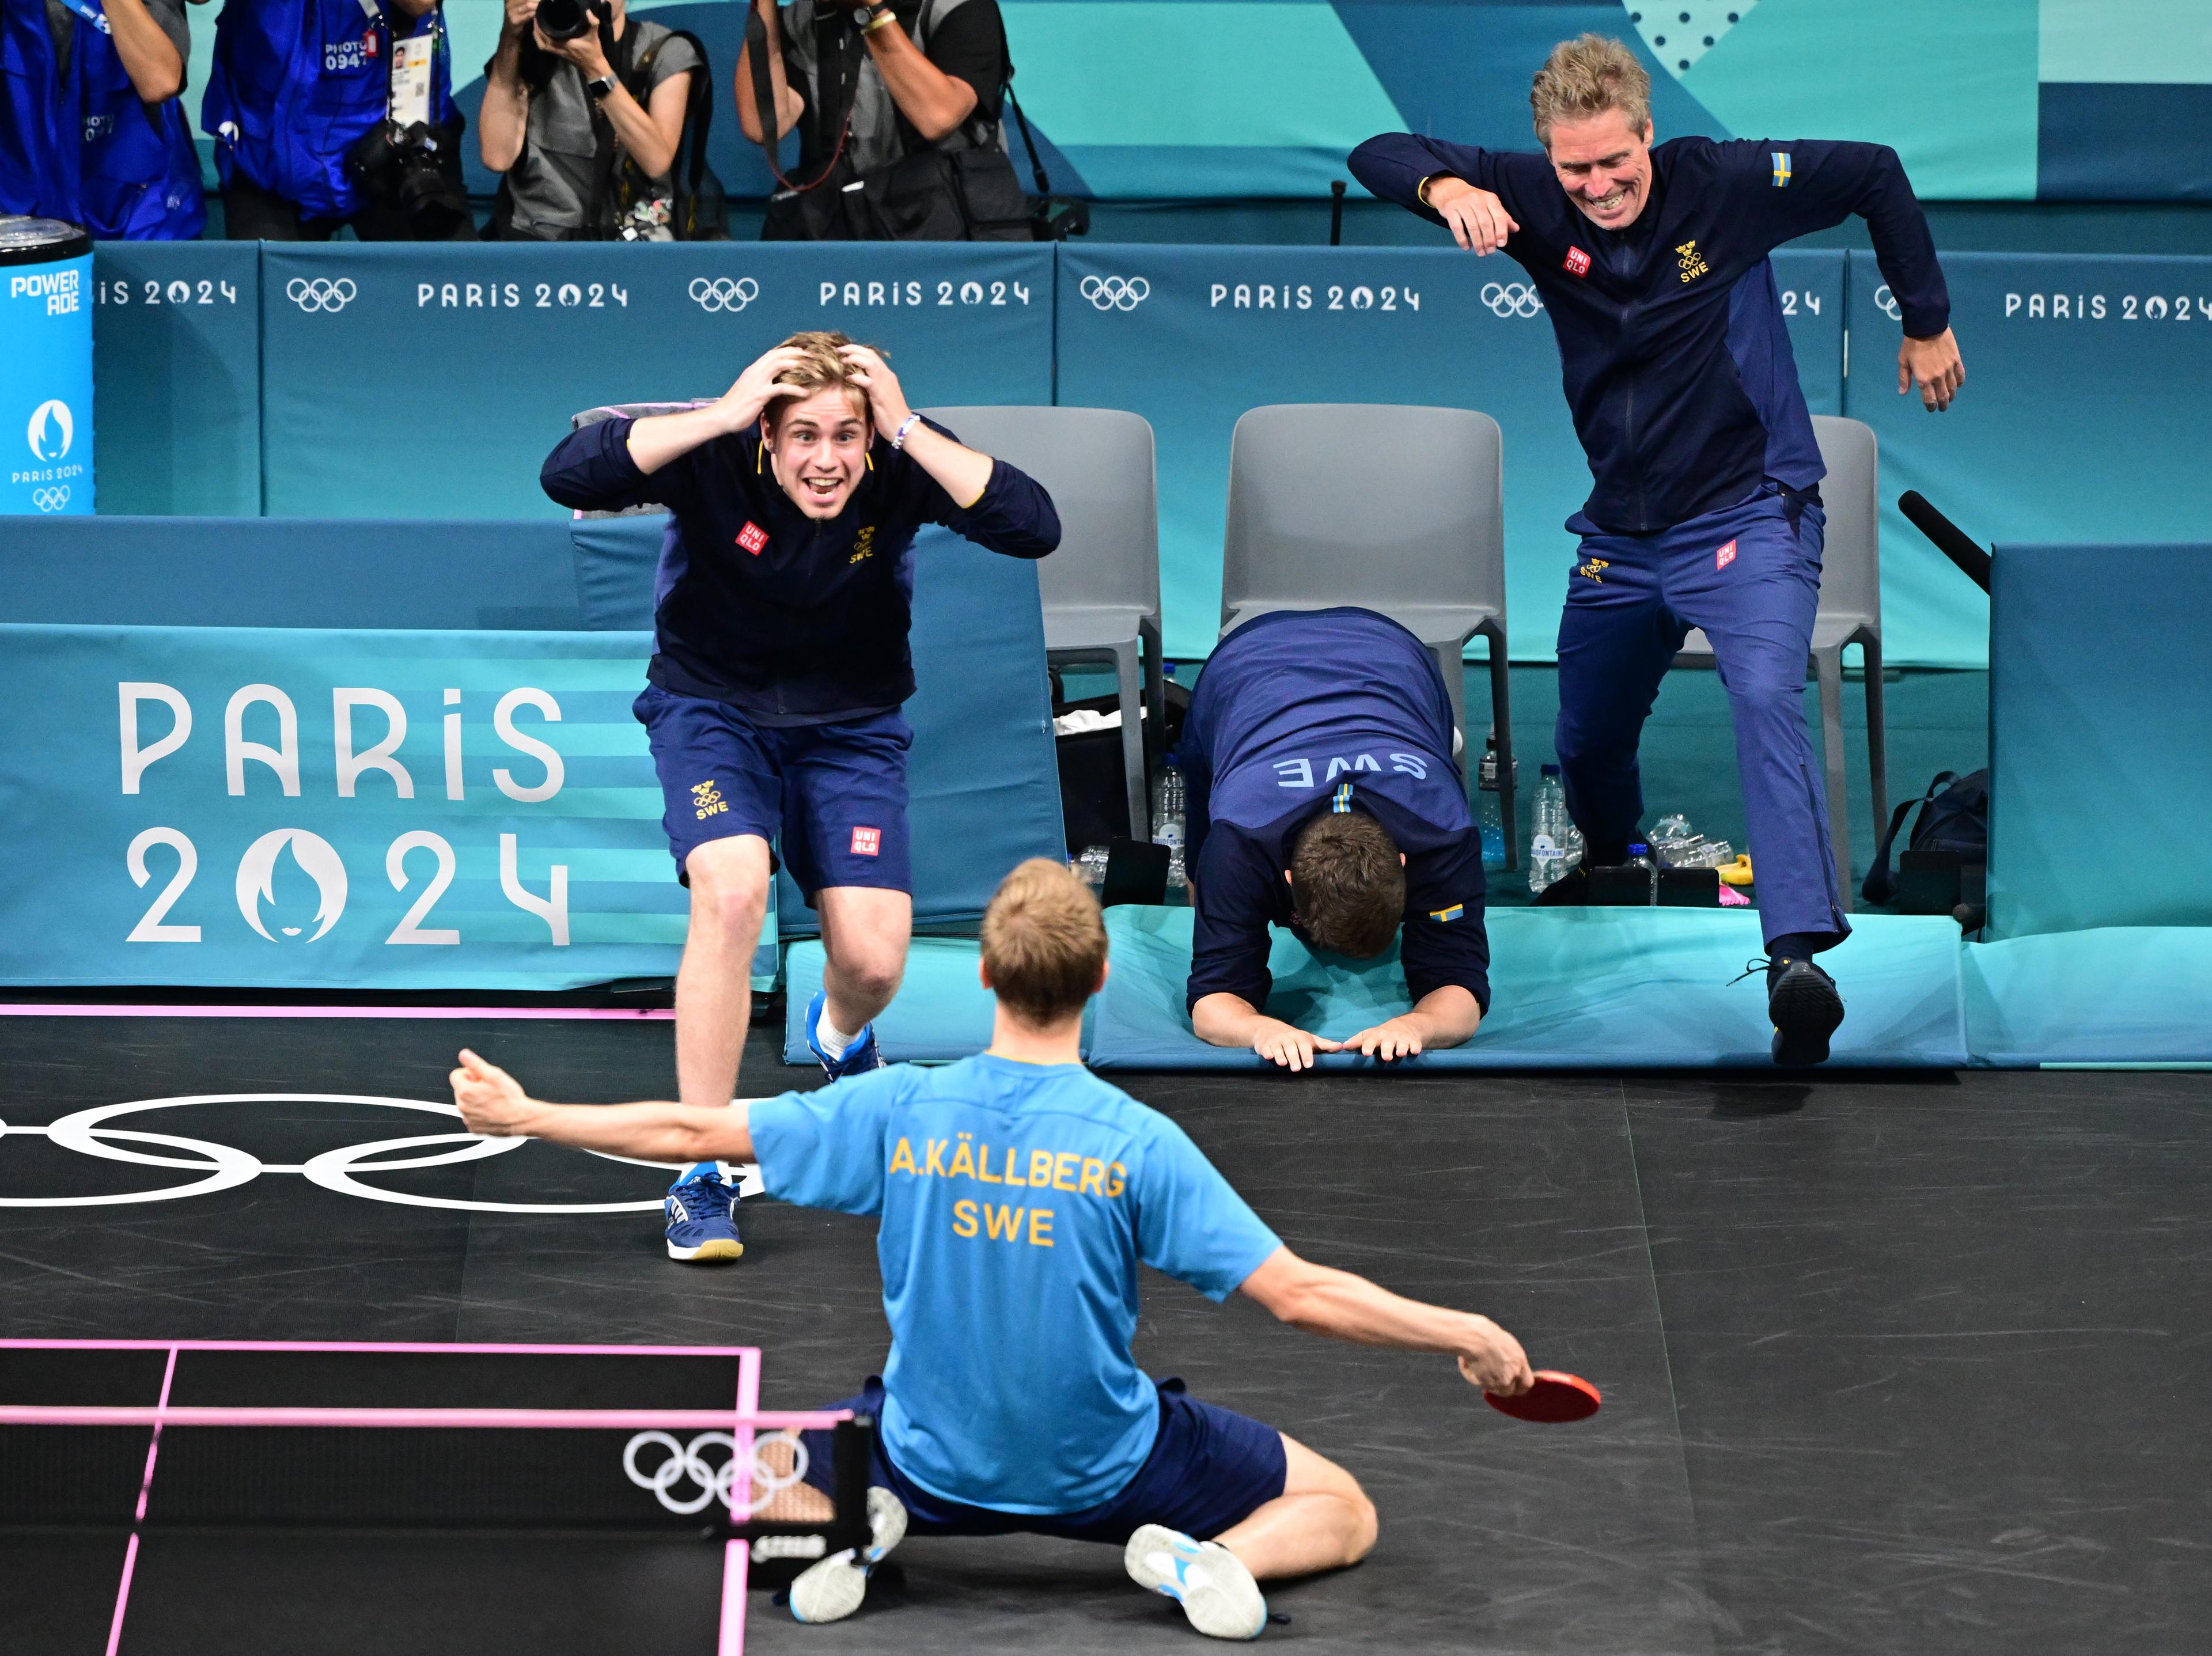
862,1056
702,1217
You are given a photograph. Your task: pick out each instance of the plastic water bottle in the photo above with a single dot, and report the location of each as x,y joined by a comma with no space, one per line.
1168,819
1487,816
1549,827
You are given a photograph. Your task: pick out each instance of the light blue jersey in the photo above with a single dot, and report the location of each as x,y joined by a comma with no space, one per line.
1016,1201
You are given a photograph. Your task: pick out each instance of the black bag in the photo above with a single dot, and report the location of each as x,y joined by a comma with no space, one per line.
929,194
1947,854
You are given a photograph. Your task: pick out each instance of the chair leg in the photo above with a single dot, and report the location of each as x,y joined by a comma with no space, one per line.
1449,663
1828,665
1501,720
1877,734
1132,740
1155,688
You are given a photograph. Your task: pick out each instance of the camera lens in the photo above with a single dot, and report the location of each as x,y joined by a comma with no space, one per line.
563,20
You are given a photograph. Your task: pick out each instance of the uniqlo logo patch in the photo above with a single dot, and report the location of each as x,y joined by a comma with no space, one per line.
1576,261
368,43
753,538
1725,556
867,842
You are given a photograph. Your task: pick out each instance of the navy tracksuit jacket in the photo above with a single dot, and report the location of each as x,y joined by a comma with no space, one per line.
1704,509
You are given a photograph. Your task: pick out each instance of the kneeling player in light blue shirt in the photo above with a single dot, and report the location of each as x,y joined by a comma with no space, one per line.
1018,1193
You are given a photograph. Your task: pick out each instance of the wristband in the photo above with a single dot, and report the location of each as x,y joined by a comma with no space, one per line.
905,426
877,20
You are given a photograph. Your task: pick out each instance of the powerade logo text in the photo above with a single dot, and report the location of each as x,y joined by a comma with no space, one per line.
63,290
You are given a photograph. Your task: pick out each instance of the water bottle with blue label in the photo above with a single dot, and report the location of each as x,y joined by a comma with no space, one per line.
1549,828
1488,816
1168,808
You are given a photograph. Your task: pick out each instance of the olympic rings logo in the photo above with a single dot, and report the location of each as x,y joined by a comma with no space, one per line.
713,1480
225,1166
1511,298
1115,293
1886,302
319,293
50,499
720,294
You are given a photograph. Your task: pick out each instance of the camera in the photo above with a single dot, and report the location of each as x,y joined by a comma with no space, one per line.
399,166
564,20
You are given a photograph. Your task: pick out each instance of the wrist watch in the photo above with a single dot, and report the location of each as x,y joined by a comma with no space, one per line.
870,18
601,89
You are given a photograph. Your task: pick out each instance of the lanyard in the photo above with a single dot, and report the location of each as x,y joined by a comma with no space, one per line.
90,11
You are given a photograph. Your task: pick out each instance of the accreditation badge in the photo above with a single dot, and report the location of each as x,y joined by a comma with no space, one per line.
410,78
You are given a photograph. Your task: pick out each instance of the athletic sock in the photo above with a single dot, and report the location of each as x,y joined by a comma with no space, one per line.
832,1041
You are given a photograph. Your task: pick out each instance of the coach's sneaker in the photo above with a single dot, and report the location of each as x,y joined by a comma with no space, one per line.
1803,1005
702,1217
833,1589
860,1054
1208,1580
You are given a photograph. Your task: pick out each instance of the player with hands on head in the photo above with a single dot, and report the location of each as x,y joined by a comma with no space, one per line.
1322,797
1015,1194
1651,262
780,662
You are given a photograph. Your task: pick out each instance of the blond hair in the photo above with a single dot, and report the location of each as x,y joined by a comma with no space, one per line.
1348,883
822,365
1586,76
1044,942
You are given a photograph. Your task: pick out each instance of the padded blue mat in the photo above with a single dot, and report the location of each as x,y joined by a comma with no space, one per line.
941,1010
1597,988
2117,994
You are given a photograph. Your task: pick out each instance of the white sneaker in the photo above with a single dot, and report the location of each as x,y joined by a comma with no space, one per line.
1208,1580
834,1588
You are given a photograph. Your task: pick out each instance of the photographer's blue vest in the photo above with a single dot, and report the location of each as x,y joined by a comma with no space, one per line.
297,82
90,151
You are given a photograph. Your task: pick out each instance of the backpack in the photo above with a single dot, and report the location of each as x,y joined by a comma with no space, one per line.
1951,838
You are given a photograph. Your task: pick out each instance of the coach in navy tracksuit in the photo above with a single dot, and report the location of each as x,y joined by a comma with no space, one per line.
780,665
1706,508
1322,797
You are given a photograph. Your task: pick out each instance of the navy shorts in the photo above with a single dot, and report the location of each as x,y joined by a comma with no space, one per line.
835,794
1209,1468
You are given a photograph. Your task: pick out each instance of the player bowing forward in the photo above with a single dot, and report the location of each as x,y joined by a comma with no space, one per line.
1322,797
1016,1193
781,662
1651,261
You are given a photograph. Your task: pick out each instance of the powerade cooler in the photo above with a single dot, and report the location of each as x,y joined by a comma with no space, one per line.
45,367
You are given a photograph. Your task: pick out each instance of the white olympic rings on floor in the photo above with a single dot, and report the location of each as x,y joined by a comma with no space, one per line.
1511,298
320,294
225,1166
1115,293
720,294
714,1481
50,499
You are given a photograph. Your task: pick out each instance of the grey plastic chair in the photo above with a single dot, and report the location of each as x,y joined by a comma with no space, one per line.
1308,530
630,411
1102,588
1849,613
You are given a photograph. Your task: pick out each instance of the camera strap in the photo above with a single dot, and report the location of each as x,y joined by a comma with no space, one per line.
756,55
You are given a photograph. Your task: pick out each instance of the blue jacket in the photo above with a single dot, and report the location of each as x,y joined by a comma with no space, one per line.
791,621
1302,712
87,150
1672,343
297,82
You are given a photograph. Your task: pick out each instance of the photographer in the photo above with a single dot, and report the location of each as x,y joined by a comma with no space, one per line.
94,133
583,115
329,112
896,109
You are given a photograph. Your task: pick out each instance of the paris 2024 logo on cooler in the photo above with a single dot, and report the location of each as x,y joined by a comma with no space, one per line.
45,389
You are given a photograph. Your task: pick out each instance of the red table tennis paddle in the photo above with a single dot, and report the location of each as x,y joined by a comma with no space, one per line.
1555,1398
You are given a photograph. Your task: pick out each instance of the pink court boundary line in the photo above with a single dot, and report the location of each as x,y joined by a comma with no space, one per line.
145,1489
534,1419
742,1353
108,1009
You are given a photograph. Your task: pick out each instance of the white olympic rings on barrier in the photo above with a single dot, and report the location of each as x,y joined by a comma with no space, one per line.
720,294
714,1481
225,1166
1511,298
1115,293
320,294
1886,302
50,499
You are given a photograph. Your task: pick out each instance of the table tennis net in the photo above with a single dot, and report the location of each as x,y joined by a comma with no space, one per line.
637,1476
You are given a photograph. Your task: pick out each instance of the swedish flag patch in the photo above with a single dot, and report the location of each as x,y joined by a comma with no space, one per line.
1451,913
1339,803
1781,158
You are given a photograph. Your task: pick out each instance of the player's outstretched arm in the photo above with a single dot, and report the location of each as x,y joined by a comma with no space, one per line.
1443,1017
1346,1307
1225,1020
493,1104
